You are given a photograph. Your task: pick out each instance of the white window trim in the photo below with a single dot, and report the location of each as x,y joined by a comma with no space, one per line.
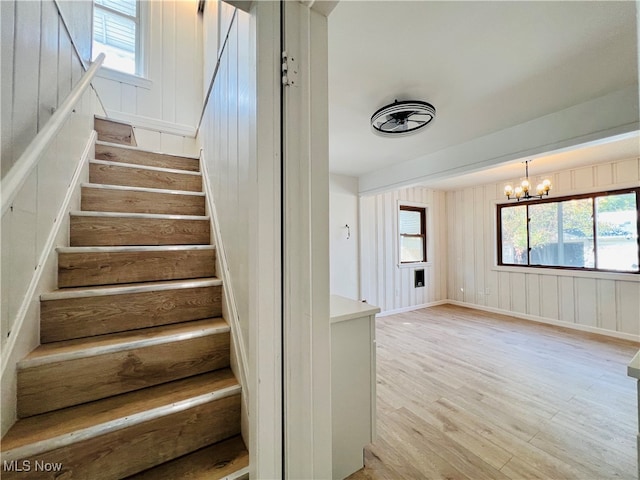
428,226
123,77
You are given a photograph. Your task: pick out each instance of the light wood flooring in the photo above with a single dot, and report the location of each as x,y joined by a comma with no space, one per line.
464,394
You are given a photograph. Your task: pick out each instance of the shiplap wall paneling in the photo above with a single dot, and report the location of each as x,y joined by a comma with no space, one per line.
167,82
504,285
468,249
174,65
492,283
7,30
627,171
533,294
606,308
389,247
39,68
26,59
225,135
383,282
27,225
367,244
591,300
49,42
549,294
65,54
586,299
628,303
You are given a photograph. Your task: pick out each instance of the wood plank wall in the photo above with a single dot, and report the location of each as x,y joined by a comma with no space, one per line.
592,300
226,139
39,68
383,282
175,68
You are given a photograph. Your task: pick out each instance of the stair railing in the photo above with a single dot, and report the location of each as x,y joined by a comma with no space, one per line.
20,171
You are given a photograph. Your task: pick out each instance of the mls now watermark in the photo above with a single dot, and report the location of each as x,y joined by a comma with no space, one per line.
29,466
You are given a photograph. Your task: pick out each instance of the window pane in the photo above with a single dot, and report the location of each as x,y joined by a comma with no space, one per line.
617,231
116,37
514,235
410,222
128,7
561,233
411,249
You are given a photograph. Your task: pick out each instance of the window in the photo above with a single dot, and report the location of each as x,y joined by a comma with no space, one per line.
116,32
596,231
412,225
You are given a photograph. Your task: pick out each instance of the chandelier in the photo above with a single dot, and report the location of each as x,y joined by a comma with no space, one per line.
523,191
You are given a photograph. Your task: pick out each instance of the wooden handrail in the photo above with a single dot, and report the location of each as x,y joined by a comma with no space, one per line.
18,174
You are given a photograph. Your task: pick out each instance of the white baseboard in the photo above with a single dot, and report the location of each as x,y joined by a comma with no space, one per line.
153,124
549,321
411,308
25,331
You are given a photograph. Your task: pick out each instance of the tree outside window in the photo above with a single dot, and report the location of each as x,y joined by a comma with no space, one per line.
595,232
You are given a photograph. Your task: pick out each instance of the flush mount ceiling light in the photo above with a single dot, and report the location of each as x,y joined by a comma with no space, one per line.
402,118
523,191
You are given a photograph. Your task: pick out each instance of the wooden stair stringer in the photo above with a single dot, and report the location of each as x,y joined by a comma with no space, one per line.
114,131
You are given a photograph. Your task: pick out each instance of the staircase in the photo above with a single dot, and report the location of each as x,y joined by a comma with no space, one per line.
132,377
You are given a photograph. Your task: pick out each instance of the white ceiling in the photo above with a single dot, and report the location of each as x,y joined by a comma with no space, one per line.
485,66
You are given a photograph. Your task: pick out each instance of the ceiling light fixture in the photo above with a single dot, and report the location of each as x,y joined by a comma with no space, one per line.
402,118
522,192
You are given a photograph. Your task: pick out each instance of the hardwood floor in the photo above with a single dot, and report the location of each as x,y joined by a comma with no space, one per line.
465,394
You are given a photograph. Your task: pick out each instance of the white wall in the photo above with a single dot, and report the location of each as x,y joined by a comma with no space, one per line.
383,282
171,101
587,300
344,252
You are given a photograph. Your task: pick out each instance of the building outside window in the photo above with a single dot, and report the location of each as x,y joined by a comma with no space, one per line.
596,231
116,32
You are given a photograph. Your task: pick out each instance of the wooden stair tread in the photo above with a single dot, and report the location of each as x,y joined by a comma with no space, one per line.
105,267
133,248
96,417
107,229
135,166
113,342
78,312
142,201
135,155
225,459
107,290
127,188
139,149
117,173
158,216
